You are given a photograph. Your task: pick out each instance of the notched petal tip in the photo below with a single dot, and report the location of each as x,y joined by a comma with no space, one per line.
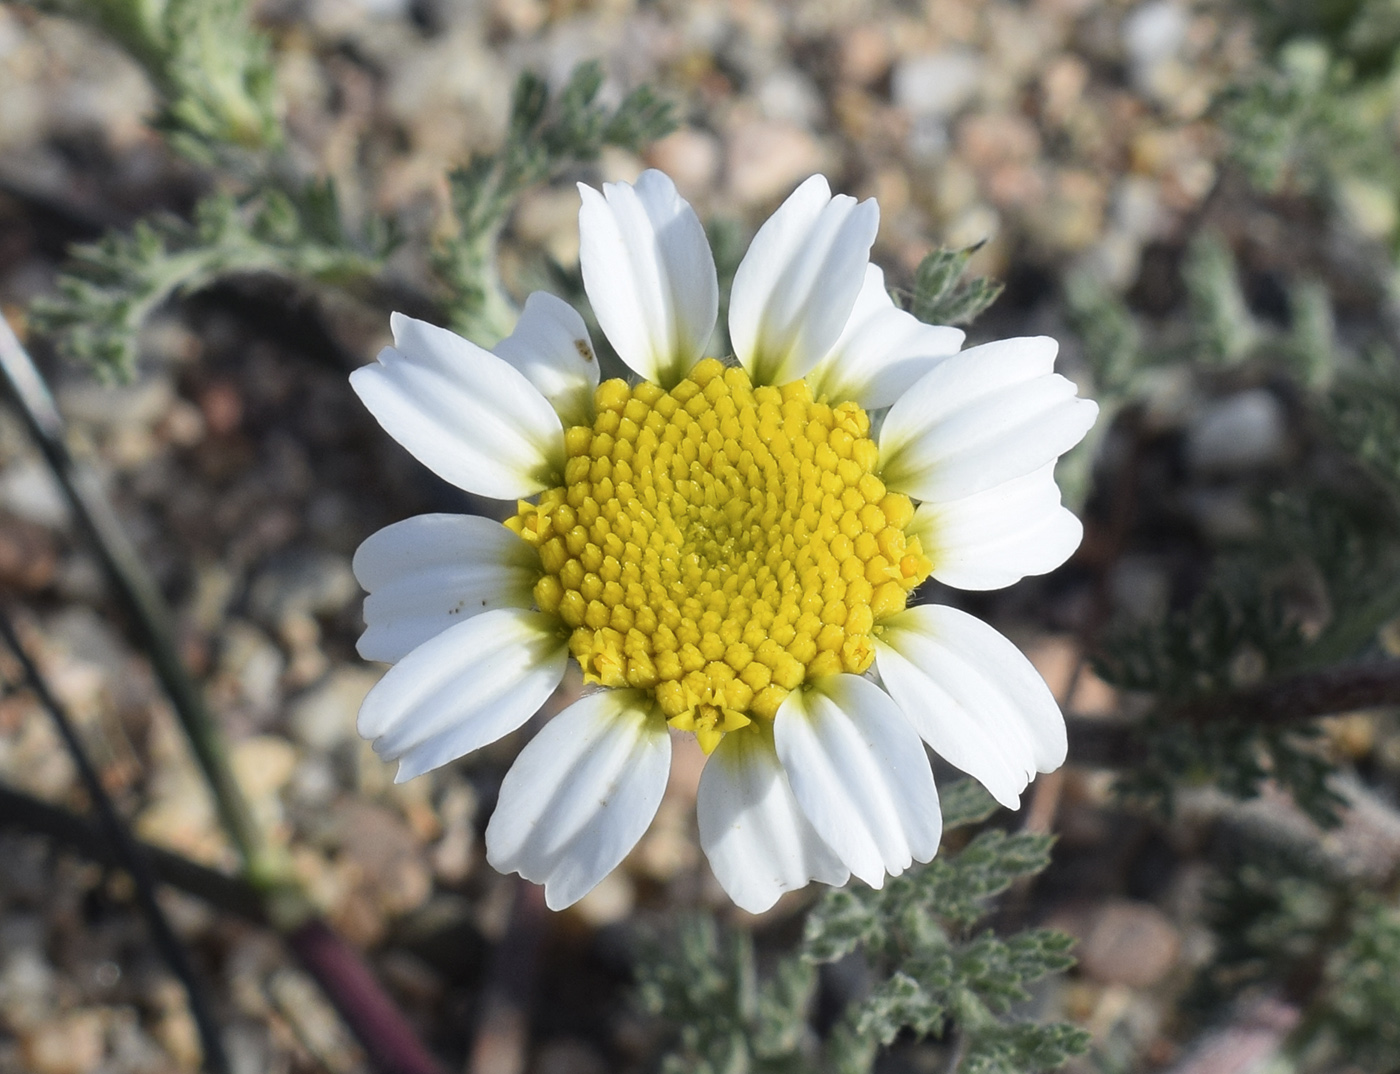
754,834
995,538
860,774
581,794
982,417
463,688
1090,409
552,349
973,697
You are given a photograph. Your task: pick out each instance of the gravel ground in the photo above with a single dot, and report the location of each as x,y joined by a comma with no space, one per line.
1066,133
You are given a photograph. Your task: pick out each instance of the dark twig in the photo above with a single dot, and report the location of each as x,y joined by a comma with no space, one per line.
128,853
1301,697
338,968
81,836
1116,743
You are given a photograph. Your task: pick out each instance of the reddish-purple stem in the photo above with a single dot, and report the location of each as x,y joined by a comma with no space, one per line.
340,970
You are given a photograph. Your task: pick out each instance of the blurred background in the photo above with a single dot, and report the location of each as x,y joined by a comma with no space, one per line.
1197,199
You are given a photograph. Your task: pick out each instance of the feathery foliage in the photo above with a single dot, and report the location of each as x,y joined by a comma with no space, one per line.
1355,1013
1319,119
1283,913
931,974
110,287
545,135
942,294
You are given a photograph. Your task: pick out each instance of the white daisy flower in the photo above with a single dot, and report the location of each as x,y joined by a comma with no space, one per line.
726,549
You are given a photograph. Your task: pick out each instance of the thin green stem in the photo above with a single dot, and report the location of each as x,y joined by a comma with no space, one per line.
128,853
150,616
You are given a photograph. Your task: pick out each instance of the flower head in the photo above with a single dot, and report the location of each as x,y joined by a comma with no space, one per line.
726,549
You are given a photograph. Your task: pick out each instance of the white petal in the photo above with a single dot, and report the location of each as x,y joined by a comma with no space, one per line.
649,275
859,772
997,537
798,282
882,351
581,794
462,412
464,688
979,418
973,697
427,573
550,346
752,830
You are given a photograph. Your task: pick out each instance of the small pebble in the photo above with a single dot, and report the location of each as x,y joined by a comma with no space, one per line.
936,84
325,716
766,159
1128,943
1238,433
73,1044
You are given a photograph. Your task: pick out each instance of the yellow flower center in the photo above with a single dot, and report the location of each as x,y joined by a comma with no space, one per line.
721,544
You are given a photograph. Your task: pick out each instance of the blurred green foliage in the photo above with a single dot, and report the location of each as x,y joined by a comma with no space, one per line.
220,108
1290,921
1320,116
210,67
1313,130
110,287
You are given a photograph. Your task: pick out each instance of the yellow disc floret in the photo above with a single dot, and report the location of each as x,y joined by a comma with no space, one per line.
720,544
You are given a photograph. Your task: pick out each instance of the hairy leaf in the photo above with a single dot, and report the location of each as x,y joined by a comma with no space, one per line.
943,296
964,803
545,135
110,287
